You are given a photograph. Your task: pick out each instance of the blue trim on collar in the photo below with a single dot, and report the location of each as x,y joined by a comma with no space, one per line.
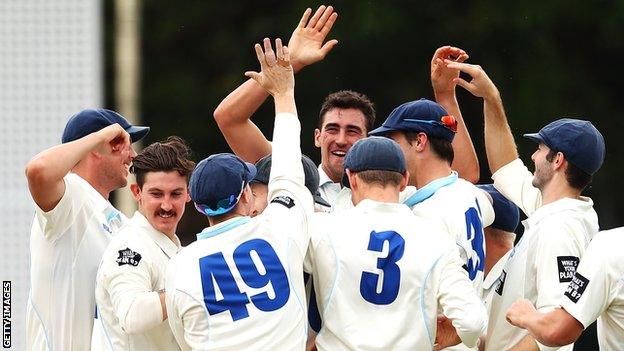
428,190
213,231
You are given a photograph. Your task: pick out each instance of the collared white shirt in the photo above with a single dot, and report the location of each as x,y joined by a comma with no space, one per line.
381,274
130,274
66,244
542,264
597,289
240,285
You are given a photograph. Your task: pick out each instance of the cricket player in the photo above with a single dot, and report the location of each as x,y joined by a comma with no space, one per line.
345,116
240,285
130,287
74,221
560,221
595,292
381,273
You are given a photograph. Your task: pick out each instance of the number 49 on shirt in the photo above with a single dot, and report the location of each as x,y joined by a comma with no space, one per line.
214,270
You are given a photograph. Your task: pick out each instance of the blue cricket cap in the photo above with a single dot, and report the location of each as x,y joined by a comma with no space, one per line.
579,141
92,120
218,181
420,116
374,154
506,213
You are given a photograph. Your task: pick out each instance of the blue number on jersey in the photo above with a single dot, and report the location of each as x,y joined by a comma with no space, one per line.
474,227
391,272
235,301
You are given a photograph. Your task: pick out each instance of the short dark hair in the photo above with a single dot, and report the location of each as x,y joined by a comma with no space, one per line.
577,178
345,99
383,178
172,154
441,147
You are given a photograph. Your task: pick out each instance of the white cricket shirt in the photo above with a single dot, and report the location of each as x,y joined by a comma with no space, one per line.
66,244
381,274
130,274
597,289
240,285
542,264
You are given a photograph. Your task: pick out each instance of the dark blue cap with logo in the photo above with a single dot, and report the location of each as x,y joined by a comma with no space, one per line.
579,141
218,181
420,116
92,120
506,213
374,154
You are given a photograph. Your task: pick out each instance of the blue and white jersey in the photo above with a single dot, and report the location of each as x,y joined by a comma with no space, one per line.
382,274
240,285
464,210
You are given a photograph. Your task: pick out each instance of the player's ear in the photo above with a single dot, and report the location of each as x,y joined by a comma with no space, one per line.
421,141
136,191
559,160
353,181
317,137
404,181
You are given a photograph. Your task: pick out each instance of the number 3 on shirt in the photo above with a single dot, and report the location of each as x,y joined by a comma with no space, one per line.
215,271
391,272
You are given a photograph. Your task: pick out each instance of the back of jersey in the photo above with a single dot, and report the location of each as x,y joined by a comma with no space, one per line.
380,275
240,286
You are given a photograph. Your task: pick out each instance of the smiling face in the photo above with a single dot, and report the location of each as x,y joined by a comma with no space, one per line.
543,168
162,199
340,129
115,166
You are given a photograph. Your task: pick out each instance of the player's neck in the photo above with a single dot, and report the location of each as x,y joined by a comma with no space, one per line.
93,180
426,172
557,190
375,193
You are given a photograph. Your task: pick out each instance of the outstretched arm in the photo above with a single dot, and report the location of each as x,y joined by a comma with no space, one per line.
307,45
500,146
46,170
555,328
465,161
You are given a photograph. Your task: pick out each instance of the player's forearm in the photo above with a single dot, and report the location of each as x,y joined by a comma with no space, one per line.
240,104
500,146
465,162
555,328
526,344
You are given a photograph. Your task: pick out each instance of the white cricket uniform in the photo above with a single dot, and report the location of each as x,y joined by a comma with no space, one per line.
597,289
240,285
464,210
381,274
491,279
130,274
542,264
66,244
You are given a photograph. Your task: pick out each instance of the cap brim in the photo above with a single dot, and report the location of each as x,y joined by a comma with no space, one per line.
381,131
535,137
137,132
319,200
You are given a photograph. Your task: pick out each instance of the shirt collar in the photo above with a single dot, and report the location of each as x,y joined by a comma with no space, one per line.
380,207
169,247
428,190
582,204
223,227
323,177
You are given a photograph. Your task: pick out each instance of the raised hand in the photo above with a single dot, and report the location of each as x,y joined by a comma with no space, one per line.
115,136
306,42
276,75
481,85
518,311
441,75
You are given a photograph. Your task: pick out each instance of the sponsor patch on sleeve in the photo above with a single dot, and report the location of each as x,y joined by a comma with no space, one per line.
284,200
577,287
567,267
501,283
129,257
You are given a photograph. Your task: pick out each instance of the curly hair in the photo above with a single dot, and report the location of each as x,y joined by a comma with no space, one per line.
172,154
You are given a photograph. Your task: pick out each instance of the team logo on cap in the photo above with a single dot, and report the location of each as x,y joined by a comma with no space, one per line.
449,122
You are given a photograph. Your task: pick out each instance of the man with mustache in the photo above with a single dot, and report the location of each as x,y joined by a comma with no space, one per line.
130,282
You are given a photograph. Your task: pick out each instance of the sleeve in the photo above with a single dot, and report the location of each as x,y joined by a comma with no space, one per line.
286,183
183,317
126,276
588,294
459,300
516,182
485,208
56,221
556,258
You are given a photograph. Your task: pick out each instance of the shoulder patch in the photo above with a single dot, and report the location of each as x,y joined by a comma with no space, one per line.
567,266
576,288
128,256
287,201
